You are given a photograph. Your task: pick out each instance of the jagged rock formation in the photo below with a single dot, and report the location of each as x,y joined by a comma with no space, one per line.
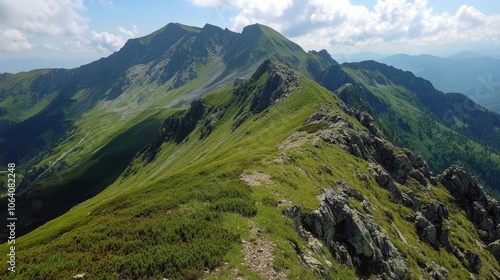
281,82
353,238
432,224
391,166
175,129
482,210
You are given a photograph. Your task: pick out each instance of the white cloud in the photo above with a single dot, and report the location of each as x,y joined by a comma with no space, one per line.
51,47
23,21
13,40
44,17
129,32
317,24
106,3
108,42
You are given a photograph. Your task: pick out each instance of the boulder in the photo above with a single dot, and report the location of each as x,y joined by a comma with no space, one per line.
385,180
475,263
353,239
425,229
494,248
481,210
433,226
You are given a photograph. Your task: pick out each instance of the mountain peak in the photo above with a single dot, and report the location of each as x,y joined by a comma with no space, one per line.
170,29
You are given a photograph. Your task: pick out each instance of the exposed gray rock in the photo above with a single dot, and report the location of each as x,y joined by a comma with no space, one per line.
367,121
417,175
343,255
316,266
281,82
433,226
494,248
437,272
407,201
384,180
425,229
475,263
352,238
399,164
350,191
483,211
402,167
366,206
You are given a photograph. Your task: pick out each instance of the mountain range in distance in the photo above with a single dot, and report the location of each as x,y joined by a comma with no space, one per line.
198,152
473,74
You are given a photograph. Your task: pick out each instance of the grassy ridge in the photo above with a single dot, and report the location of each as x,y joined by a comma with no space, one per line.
189,188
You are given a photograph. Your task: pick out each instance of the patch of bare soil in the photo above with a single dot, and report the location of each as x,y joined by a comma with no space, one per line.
256,179
297,139
259,255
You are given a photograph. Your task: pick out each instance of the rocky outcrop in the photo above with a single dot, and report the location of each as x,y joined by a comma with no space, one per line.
433,226
494,248
176,129
399,164
281,81
353,239
482,210
384,180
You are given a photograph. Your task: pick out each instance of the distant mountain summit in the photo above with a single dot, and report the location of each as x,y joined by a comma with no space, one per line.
165,60
472,74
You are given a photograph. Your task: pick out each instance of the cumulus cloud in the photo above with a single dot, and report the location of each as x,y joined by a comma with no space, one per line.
13,40
128,32
108,42
44,17
105,41
106,3
22,19
323,23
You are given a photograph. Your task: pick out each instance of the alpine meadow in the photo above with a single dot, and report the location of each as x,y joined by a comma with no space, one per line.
203,153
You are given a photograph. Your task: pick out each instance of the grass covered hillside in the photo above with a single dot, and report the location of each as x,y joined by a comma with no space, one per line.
269,178
447,129
72,132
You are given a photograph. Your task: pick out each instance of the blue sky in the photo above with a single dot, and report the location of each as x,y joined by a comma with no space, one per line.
67,33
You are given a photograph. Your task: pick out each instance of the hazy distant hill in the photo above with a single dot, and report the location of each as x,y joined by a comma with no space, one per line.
469,73
357,57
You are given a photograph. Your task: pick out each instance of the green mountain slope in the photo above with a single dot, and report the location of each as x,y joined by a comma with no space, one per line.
445,128
67,125
471,74
273,178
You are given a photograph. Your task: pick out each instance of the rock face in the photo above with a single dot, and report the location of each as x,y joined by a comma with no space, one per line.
367,144
390,166
483,211
175,129
494,248
433,226
353,238
281,81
